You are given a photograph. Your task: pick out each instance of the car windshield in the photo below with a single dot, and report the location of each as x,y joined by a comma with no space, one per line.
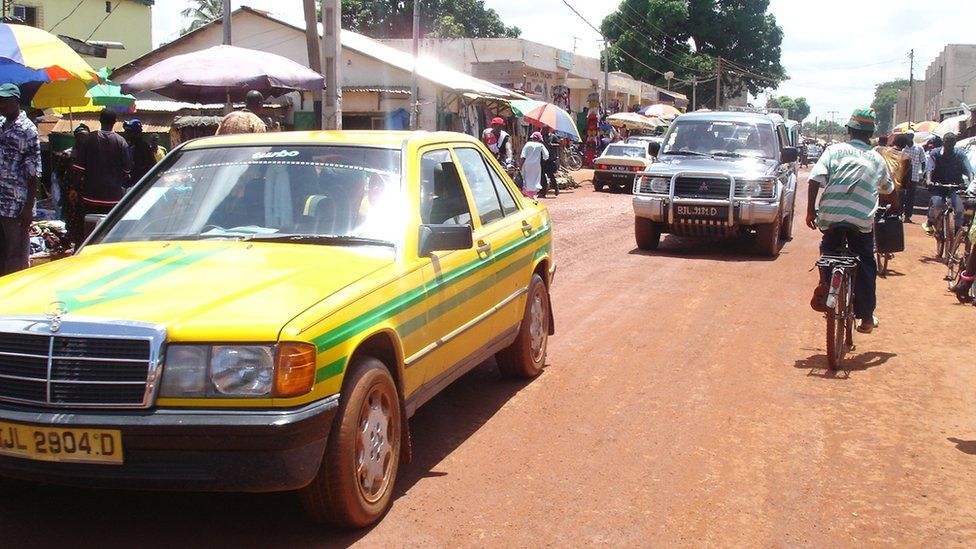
629,151
721,138
336,194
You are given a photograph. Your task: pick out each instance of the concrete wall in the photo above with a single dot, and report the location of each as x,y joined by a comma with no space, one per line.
950,79
129,23
914,112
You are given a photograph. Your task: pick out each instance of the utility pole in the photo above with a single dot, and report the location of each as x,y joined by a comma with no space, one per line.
830,130
718,84
225,23
414,87
694,93
606,76
911,84
331,60
314,56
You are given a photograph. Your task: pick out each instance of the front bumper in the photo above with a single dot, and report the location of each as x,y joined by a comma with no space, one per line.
745,212
220,450
614,178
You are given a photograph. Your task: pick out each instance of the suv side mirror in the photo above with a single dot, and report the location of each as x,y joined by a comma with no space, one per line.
436,238
788,155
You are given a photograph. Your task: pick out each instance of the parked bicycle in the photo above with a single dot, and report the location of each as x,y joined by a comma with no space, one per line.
572,157
838,268
961,246
944,231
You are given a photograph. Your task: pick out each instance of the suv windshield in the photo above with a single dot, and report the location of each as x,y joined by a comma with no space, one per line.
721,138
349,194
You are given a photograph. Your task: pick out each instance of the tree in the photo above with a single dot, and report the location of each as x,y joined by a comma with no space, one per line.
651,37
825,127
438,18
885,97
201,13
797,109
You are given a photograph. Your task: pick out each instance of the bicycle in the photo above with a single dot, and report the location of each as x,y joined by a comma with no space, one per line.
841,265
571,158
881,258
943,223
961,247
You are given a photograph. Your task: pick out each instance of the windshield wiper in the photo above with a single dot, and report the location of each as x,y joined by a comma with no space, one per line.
730,154
687,152
331,240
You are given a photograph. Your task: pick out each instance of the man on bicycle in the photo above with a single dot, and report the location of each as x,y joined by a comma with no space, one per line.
946,166
852,175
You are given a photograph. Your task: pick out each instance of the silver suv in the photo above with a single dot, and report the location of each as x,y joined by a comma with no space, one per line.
720,174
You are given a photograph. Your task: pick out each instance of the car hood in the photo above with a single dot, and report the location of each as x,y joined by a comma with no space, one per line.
736,167
210,291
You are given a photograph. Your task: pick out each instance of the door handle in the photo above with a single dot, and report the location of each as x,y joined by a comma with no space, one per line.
526,228
483,247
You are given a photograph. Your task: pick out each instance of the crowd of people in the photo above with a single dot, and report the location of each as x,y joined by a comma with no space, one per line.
535,167
856,179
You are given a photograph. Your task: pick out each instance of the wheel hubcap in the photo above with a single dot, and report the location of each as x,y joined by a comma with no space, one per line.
374,452
538,330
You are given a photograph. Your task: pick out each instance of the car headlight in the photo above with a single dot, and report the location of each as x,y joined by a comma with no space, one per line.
214,371
753,188
660,185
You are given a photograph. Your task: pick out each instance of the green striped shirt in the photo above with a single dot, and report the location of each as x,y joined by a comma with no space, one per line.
852,175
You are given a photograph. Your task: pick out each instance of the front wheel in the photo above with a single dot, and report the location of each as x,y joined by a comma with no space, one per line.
956,257
354,485
647,233
526,356
767,242
574,162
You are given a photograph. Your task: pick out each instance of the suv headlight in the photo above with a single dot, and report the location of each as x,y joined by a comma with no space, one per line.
215,371
756,188
660,185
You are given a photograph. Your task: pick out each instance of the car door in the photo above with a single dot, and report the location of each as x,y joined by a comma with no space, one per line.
458,283
503,225
785,171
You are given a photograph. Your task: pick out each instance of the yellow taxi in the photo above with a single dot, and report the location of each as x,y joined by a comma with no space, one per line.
265,312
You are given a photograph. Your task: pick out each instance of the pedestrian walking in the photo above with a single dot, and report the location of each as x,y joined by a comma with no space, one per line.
246,120
551,165
917,156
72,210
899,164
140,152
534,153
106,167
20,168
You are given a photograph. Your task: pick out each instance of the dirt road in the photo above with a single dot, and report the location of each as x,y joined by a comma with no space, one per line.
686,402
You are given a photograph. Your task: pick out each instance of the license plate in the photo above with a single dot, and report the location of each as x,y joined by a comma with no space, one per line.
57,444
621,168
703,212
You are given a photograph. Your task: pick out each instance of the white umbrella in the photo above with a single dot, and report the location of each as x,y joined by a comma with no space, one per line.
952,124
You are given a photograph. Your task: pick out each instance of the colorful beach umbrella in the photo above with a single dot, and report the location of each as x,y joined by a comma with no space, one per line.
94,97
915,127
664,112
29,55
540,113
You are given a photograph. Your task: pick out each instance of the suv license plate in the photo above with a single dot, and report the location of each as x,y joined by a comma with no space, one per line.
702,212
56,444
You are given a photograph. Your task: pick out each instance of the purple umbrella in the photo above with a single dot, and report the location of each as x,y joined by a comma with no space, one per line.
223,73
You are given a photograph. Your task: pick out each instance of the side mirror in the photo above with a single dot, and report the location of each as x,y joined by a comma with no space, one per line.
92,221
789,155
436,238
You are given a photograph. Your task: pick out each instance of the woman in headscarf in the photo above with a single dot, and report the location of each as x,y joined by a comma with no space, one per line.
533,154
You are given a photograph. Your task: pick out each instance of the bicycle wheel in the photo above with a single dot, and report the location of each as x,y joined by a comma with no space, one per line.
836,330
939,237
956,258
946,230
849,319
574,161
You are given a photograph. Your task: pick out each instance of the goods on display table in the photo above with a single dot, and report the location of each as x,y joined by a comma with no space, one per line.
48,241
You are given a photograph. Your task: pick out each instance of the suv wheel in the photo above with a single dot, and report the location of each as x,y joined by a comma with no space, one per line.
647,233
786,230
768,237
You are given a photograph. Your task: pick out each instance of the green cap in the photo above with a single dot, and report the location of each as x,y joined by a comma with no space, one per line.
863,119
9,90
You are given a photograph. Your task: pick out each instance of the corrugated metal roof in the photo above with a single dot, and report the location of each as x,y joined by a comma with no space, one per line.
66,125
394,90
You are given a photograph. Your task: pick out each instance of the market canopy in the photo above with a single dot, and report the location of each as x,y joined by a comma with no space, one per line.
223,73
635,121
664,112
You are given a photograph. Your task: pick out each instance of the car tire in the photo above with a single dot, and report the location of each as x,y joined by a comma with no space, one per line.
767,241
786,230
346,494
598,187
647,233
526,356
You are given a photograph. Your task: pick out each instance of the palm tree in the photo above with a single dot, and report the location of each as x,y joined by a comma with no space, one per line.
202,13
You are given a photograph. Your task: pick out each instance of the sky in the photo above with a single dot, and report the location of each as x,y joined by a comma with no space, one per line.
834,51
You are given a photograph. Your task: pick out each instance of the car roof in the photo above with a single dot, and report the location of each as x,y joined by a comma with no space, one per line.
727,116
371,138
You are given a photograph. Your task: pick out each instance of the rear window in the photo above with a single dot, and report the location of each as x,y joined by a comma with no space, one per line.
630,151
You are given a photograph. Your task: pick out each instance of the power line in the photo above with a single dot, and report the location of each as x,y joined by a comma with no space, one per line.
664,47
107,15
70,13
